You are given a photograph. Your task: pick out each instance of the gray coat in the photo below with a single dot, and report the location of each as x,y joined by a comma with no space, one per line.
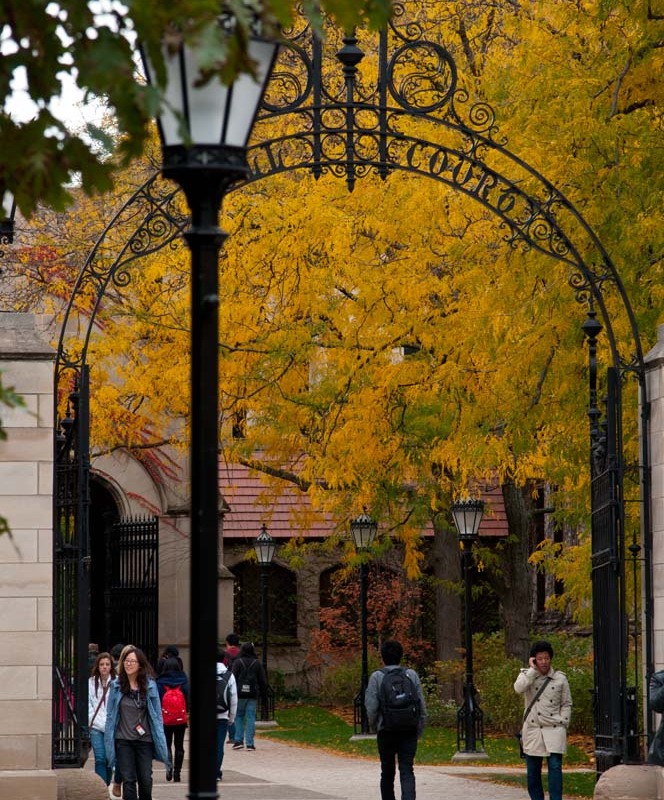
544,730
372,702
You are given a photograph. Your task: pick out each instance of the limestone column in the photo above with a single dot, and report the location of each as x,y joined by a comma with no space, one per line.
655,385
26,593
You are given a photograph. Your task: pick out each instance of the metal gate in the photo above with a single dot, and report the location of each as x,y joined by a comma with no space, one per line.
614,703
132,583
130,590
71,580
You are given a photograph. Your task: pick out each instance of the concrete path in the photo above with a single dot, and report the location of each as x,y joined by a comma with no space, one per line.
276,771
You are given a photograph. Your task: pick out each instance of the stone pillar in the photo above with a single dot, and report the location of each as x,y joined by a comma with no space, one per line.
26,569
174,581
654,361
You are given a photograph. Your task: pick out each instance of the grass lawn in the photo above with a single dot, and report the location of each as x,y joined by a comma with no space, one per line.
313,726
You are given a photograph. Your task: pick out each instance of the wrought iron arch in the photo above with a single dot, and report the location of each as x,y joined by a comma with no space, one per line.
350,124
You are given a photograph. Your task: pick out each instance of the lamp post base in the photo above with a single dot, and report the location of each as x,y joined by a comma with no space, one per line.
358,737
474,755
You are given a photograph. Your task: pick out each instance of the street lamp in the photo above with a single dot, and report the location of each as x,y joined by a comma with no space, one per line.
204,127
363,529
467,516
7,220
265,548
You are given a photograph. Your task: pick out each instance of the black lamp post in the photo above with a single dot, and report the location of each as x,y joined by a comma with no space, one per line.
7,220
470,719
204,127
363,529
265,548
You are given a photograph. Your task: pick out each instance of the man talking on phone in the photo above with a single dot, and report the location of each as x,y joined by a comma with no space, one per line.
548,709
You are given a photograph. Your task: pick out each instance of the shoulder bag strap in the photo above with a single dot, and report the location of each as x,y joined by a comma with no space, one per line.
101,703
536,698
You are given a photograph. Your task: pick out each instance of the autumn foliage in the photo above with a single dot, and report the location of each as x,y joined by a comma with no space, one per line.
394,611
385,348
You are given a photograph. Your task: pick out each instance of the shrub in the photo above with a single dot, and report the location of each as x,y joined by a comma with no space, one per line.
441,713
341,682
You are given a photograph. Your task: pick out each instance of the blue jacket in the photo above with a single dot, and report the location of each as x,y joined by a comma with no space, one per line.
174,678
154,715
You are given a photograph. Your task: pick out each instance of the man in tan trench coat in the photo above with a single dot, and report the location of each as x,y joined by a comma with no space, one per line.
544,731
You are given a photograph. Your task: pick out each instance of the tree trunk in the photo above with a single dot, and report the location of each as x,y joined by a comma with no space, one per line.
516,593
446,567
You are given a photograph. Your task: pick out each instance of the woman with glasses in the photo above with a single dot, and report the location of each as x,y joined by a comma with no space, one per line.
134,732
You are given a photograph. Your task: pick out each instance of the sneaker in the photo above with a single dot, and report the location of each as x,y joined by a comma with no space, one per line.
250,747
116,790
219,777
238,746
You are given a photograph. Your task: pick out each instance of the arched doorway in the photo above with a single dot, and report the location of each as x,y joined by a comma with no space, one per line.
104,513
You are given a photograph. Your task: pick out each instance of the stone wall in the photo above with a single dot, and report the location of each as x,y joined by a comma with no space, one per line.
655,383
26,480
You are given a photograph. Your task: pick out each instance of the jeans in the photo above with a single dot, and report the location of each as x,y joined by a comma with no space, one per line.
101,767
534,776
135,761
245,721
393,745
222,730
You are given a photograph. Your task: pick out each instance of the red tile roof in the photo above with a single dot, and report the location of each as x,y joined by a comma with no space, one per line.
252,501
287,512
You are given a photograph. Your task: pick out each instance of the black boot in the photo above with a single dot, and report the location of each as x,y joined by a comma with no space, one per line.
179,761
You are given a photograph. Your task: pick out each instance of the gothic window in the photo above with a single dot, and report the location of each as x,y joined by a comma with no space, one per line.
281,602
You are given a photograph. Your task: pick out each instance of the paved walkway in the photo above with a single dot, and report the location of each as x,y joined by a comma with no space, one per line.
276,771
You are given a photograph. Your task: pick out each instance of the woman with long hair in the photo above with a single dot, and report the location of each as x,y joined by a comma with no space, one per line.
99,683
134,730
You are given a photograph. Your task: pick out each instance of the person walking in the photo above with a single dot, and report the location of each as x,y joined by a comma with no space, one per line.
396,710
251,683
170,651
134,732
231,652
226,707
116,655
173,686
656,698
99,683
548,710
93,652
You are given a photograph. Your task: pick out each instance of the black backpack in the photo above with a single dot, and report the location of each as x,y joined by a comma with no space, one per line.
222,692
246,678
399,704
